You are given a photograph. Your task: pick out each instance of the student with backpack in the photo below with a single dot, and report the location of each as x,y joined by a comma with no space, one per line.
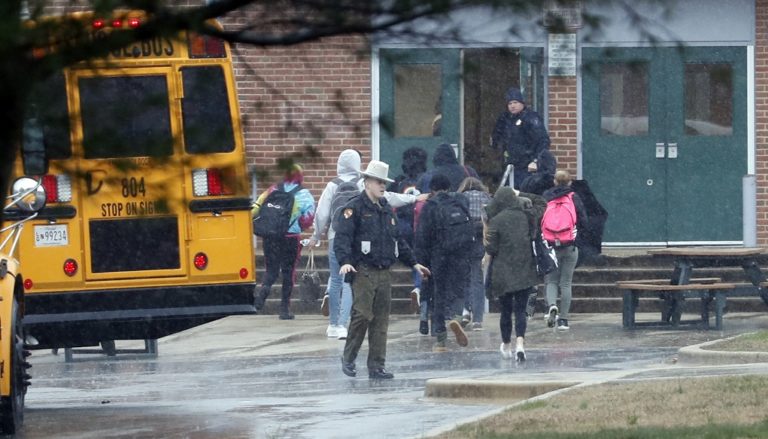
474,305
337,302
562,218
444,240
280,214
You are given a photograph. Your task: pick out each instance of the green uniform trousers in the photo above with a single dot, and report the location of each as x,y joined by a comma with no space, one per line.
372,292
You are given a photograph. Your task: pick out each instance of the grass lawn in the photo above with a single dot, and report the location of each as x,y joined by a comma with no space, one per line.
719,407
753,342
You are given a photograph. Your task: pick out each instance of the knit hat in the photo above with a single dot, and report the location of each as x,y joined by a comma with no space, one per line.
514,94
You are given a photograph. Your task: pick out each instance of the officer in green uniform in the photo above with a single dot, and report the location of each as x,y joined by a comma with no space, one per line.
366,244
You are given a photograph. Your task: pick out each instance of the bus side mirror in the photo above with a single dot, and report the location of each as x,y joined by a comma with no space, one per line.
33,148
27,194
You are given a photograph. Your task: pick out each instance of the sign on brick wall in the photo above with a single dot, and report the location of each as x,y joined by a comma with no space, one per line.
561,59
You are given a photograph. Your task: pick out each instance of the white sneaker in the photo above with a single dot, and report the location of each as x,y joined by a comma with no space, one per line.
341,332
506,351
551,316
519,350
415,300
332,331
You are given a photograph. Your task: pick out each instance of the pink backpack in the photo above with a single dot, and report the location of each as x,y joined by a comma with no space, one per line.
558,225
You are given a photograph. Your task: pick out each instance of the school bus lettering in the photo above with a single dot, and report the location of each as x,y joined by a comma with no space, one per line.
91,189
134,208
157,47
133,187
111,209
141,208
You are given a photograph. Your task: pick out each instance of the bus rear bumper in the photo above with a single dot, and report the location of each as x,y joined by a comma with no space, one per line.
85,318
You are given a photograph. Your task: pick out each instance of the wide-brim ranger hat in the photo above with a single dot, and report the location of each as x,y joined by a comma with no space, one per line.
377,169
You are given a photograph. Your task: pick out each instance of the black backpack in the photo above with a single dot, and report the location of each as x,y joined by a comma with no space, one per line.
454,225
275,213
345,191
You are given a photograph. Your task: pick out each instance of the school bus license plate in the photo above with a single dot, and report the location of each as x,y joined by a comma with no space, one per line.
51,236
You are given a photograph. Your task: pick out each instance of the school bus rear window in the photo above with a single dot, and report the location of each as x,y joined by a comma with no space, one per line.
206,114
48,103
125,116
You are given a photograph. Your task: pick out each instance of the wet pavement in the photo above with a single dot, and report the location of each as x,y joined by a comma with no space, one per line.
260,377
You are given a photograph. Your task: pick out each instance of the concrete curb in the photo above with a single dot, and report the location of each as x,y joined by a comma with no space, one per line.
696,354
490,389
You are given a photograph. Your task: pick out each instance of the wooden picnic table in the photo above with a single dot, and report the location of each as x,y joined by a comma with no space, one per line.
686,259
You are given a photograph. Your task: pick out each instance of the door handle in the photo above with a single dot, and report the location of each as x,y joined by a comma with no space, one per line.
672,151
660,152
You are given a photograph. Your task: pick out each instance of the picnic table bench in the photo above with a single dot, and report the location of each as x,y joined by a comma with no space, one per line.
708,291
682,284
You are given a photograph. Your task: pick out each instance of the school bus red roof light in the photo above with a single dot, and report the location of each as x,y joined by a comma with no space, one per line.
204,46
134,22
28,284
98,23
117,23
243,273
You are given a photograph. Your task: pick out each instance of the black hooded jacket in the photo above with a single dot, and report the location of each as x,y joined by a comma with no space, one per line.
543,179
445,163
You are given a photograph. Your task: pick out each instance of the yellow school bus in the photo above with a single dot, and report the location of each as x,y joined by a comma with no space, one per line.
146,229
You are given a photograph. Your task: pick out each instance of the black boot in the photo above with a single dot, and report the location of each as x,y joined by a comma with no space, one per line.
259,298
285,312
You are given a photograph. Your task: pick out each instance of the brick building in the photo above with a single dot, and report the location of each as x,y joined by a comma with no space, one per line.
664,132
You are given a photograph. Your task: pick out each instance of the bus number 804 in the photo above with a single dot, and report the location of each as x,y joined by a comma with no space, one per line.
133,187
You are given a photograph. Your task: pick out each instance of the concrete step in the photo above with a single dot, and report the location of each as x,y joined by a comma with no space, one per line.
594,289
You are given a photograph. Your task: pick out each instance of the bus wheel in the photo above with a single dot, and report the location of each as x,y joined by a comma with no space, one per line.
12,406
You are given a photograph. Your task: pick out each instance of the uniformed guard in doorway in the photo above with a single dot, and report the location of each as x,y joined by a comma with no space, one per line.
367,243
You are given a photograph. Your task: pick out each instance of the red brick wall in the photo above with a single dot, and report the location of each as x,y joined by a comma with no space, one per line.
761,118
314,95
563,121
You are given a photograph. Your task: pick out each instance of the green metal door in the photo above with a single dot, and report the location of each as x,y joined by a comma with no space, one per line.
665,141
419,101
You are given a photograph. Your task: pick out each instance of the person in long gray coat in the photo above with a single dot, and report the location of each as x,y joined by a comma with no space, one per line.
513,274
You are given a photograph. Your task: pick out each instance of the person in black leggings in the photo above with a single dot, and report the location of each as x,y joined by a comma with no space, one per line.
512,271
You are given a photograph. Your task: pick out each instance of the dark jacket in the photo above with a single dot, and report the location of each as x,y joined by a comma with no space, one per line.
509,240
414,165
544,177
590,237
427,238
581,212
362,222
522,137
445,162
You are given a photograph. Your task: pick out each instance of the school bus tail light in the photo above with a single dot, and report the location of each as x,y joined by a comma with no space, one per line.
28,284
204,46
58,188
201,261
70,267
243,273
211,182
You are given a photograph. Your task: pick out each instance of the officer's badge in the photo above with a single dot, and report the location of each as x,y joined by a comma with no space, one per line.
519,122
348,213
393,221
